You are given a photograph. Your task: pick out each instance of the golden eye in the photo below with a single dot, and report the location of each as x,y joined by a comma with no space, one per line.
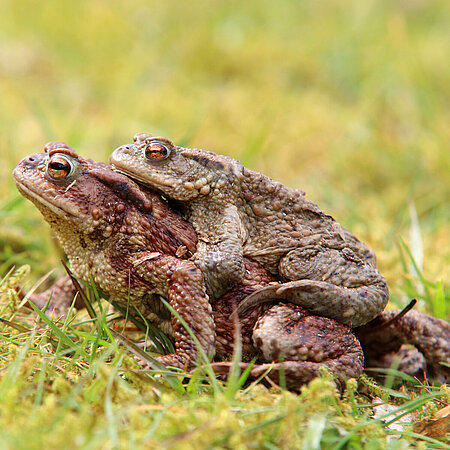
59,167
156,151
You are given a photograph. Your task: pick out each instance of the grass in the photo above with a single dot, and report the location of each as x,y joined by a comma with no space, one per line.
349,102
70,385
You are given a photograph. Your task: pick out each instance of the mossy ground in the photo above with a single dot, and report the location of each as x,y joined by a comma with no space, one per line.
349,101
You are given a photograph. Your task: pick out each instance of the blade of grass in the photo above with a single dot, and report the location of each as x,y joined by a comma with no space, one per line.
80,291
417,273
172,378
109,412
7,275
15,325
11,375
234,375
160,340
441,445
203,356
63,338
439,301
33,289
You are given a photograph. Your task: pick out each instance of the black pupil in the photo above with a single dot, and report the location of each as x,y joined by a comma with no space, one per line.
58,166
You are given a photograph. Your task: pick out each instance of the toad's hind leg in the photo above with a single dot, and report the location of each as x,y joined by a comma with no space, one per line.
331,283
430,336
295,345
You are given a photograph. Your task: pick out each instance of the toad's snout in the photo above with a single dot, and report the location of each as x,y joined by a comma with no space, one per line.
122,152
31,162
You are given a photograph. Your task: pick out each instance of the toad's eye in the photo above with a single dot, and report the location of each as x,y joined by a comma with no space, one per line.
59,167
156,151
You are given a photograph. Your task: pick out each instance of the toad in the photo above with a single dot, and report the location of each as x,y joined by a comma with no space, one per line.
137,249
239,213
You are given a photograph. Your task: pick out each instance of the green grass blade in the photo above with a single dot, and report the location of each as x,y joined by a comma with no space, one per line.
63,338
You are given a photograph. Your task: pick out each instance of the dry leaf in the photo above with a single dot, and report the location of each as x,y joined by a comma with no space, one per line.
437,426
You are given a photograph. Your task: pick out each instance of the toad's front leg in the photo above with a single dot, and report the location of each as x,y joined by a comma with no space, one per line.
183,284
219,252
328,282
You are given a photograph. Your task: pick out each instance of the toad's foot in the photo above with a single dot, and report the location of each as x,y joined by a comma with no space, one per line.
350,306
305,344
429,335
57,299
407,360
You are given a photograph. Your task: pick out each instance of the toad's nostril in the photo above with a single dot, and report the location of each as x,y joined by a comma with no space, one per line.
123,150
31,159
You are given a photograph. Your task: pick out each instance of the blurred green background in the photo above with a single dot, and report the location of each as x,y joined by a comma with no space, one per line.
349,101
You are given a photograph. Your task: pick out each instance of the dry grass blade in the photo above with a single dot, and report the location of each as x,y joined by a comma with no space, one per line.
171,377
80,292
17,326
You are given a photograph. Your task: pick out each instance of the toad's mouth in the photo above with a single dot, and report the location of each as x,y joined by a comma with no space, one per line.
39,200
140,179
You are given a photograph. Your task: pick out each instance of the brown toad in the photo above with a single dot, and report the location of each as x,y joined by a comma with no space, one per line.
238,212
132,245
95,215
